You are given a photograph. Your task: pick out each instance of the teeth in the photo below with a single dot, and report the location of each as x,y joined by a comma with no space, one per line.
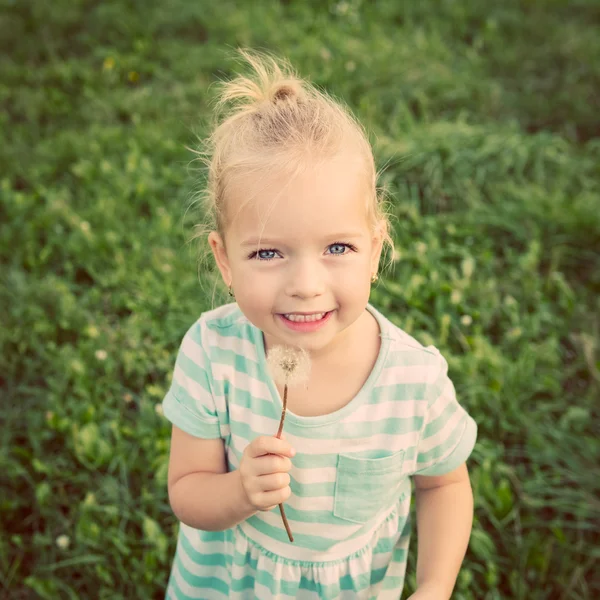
305,318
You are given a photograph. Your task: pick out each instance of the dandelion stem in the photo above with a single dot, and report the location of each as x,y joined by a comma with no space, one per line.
285,522
281,509
285,389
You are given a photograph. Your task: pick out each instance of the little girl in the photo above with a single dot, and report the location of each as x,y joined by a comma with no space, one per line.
297,236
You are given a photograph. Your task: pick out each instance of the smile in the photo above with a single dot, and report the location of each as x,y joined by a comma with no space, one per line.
298,318
305,323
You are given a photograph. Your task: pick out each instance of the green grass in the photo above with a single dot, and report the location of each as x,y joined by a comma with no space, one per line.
486,117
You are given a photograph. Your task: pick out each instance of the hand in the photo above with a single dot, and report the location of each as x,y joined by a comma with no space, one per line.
264,472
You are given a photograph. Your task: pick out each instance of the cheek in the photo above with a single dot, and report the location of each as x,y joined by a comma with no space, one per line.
353,290
357,273
254,290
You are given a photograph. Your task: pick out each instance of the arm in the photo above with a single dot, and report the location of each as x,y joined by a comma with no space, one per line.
444,521
210,501
202,493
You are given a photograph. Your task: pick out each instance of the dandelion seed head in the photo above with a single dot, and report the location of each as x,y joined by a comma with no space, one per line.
289,365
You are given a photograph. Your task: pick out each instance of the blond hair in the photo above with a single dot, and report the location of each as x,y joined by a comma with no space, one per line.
274,119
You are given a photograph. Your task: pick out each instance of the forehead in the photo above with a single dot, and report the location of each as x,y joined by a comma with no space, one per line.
310,205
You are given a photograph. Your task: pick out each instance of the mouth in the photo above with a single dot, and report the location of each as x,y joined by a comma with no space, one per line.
299,317
305,323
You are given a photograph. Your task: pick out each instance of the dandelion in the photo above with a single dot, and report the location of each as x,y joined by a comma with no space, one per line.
63,541
288,367
101,354
109,63
85,226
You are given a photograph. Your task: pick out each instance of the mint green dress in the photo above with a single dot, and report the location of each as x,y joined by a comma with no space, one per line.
350,479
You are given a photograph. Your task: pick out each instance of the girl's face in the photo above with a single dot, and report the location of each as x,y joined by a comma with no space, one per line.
301,245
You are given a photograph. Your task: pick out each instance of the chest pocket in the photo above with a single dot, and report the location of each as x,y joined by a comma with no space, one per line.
366,486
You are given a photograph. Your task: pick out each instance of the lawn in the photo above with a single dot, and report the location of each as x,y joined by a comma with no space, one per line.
485,119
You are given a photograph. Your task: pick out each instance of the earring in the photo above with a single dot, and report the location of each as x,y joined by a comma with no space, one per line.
231,293
374,278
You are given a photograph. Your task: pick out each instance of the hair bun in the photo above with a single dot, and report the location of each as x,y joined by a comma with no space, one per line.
284,91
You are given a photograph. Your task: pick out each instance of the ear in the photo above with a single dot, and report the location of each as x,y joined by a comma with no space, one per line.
220,253
377,246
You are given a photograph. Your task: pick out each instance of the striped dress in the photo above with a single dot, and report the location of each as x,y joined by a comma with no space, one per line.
350,479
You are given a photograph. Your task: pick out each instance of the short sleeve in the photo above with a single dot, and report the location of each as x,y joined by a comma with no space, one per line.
449,433
189,403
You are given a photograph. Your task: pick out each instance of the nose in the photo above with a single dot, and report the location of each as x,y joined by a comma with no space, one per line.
306,279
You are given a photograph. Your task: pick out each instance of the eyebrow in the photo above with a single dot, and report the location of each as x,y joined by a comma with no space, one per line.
273,242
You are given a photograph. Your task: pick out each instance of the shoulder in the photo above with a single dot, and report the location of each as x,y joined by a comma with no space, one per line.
406,349
222,329
413,371
222,317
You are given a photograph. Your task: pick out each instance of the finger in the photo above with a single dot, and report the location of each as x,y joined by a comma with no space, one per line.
272,499
274,481
272,463
286,447
269,445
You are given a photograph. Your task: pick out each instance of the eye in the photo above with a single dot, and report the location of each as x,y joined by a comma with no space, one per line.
260,254
342,245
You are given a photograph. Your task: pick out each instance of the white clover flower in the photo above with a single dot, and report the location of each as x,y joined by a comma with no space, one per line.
466,320
289,366
85,226
63,541
101,354
158,409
